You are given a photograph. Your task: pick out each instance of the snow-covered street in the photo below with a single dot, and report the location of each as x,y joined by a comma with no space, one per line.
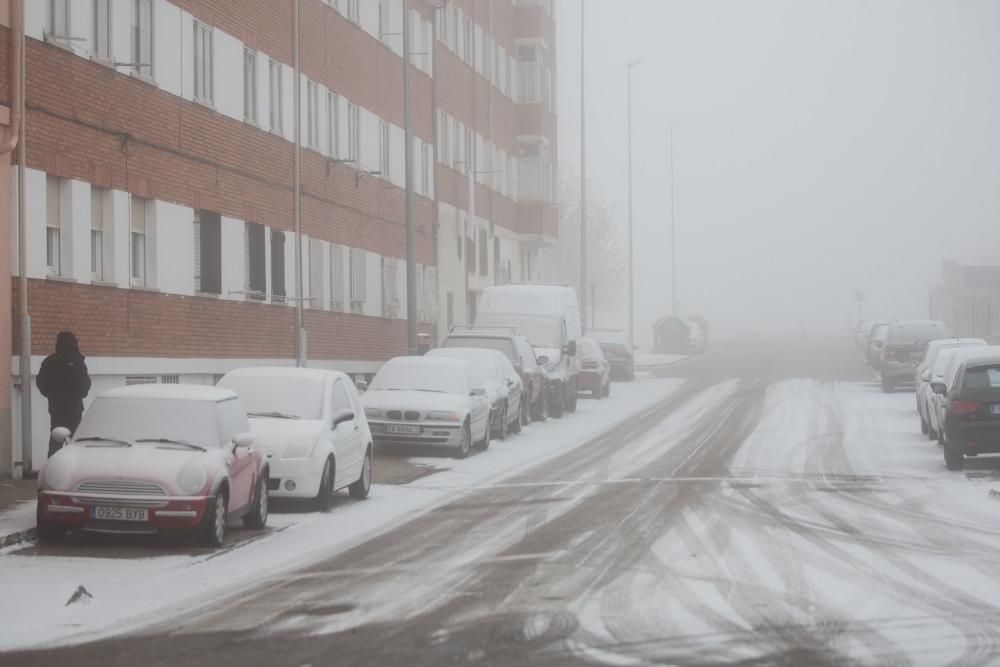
767,504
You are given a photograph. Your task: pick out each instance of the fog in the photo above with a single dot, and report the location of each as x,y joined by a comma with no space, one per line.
821,147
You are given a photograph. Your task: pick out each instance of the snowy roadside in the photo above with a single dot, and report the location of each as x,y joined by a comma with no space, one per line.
127,594
17,525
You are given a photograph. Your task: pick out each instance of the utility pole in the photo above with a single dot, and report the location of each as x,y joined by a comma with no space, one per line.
411,260
583,171
673,235
22,261
300,332
631,251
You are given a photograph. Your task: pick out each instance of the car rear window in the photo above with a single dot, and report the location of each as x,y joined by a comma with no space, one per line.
907,333
982,377
504,345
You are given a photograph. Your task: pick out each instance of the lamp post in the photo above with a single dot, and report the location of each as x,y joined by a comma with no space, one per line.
300,332
411,261
673,234
583,176
631,253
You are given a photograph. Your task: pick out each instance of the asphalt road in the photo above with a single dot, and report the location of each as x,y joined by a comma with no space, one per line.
557,565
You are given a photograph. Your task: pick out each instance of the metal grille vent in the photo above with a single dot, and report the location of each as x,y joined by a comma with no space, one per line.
126,487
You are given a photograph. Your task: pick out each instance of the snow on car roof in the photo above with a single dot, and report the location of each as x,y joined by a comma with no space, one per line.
282,372
172,392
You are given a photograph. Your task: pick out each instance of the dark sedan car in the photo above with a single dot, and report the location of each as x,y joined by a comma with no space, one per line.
972,410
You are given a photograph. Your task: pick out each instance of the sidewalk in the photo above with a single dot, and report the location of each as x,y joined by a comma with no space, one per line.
17,511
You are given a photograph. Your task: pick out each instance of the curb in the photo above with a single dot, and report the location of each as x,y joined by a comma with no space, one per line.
17,537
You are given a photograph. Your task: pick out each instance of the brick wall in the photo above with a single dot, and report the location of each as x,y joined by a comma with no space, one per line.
136,323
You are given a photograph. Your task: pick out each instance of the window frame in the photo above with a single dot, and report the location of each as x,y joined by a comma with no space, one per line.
250,101
105,55
275,96
203,60
138,46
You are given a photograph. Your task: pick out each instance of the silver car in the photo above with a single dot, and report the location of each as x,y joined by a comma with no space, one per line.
504,389
924,373
904,348
427,401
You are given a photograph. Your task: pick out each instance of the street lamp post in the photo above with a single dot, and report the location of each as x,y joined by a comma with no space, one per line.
411,261
583,178
631,252
673,234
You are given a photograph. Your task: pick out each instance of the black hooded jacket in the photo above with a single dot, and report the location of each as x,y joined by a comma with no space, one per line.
63,379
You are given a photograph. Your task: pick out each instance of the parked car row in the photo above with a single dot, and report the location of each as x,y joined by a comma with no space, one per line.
957,383
192,459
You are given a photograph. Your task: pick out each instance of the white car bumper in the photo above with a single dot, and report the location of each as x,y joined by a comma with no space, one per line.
295,478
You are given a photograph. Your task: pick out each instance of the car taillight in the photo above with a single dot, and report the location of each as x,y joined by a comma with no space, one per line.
962,408
590,364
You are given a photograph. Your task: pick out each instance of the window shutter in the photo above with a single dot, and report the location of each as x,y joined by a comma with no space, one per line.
138,214
96,208
256,268
52,212
197,252
278,263
211,252
336,278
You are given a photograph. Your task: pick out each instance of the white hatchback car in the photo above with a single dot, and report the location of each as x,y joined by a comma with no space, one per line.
312,428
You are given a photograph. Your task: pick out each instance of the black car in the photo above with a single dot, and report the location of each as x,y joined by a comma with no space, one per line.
621,360
972,410
518,350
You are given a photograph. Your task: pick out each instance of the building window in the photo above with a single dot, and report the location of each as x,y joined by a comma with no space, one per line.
337,278
255,261
203,58
250,85
142,38
97,234
390,288
53,225
484,253
353,10
384,165
359,277
353,133
102,30
275,96
470,41
312,115
57,19
427,162
317,298
207,252
137,239
332,125
278,265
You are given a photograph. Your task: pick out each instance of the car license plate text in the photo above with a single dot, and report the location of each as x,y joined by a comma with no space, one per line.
119,514
402,429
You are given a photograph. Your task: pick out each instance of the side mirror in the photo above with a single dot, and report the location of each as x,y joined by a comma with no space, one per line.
342,416
243,439
571,348
478,391
510,382
60,434
542,360
939,388
361,385
925,376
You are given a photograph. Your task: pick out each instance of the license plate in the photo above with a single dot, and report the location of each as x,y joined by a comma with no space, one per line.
119,514
402,429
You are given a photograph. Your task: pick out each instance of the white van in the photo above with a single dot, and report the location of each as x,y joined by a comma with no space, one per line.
549,316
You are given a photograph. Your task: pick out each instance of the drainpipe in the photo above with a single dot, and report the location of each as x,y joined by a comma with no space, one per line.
16,141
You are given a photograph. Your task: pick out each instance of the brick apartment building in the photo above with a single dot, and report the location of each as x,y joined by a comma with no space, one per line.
159,192
967,299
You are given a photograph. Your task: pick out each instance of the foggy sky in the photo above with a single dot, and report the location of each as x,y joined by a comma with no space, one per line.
822,146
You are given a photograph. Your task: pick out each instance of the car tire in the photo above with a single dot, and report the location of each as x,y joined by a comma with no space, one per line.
887,387
484,444
556,409
573,398
932,435
257,518
924,426
463,447
953,460
324,497
502,426
214,530
515,425
541,412
48,533
360,489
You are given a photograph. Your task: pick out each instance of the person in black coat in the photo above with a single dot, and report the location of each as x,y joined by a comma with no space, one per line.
64,381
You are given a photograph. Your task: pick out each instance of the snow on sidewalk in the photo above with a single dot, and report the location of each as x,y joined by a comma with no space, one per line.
128,594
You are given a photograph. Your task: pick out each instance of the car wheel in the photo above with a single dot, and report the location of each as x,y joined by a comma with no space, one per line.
953,460
556,409
540,412
47,532
924,427
515,425
361,488
466,442
215,521
573,398
484,444
257,518
502,426
324,497
887,387
525,412
931,433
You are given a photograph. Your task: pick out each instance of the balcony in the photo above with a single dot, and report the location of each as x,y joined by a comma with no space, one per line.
534,180
534,85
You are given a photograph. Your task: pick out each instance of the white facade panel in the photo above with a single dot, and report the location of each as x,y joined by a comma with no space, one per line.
228,74
233,260
34,18
76,208
373,306
119,221
172,237
397,155
288,101
291,286
35,211
168,62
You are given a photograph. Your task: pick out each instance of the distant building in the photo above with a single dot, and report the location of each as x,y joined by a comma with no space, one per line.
968,299
159,178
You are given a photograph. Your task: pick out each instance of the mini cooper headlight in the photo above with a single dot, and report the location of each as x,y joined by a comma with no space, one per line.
58,473
191,478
